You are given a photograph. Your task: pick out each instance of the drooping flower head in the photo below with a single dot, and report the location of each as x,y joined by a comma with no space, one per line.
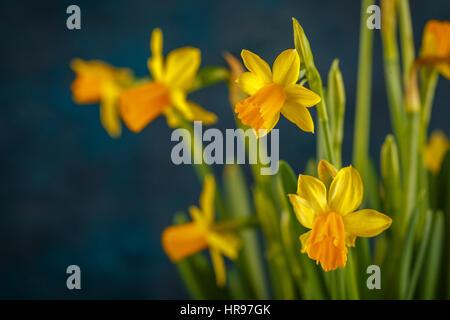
97,81
182,241
167,92
332,215
272,93
434,151
436,43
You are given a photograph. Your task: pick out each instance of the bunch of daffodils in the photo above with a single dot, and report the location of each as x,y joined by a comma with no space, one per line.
321,235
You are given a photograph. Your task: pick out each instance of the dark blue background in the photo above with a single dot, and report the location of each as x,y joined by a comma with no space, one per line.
72,195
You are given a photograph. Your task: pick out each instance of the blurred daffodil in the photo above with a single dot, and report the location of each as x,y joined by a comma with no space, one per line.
97,81
436,44
182,241
166,94
333,219
434,151
272,93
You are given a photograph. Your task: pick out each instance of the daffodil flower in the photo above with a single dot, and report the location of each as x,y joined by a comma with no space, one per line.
436,43
333,219
274,93
166,94
97,81
182,241
434,151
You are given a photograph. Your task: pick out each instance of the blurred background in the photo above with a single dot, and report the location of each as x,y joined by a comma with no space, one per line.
70,194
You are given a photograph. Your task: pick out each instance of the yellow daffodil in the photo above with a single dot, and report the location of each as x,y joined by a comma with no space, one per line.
182,241
434,151
97,81
333,219
272,93
167,92
436,44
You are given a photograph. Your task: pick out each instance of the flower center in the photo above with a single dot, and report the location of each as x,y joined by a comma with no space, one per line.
259,110
141,104
327,241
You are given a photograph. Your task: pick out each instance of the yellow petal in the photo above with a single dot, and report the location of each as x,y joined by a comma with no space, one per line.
263,132
181,67
346,191
182,241
156,62
178,99
326,171
286,68
225,242
303,211
304,241
299,115
366,223
301,95
314,192
207,198
257,65
200,114
156,42
109,110
219,267
249,82
172,118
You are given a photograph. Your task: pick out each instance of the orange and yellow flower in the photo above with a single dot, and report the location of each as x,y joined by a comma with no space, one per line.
272,93
434,151
97,81
167,93
332,218
436,43
182,241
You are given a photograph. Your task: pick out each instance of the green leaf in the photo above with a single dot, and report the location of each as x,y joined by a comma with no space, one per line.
434,258
250,260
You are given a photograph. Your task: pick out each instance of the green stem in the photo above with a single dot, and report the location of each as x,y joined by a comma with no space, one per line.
363,93
410,167
392,69
406,37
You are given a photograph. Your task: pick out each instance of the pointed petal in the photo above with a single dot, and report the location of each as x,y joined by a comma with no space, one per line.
326,171
304,240
155,63
178,99
200,114
346,191
263,132
298,115
109,111
182,241
172,118
303,211
301,95
207,198
257,65
314,192
219,267
225,242
366,223
181,67
286,68
249,82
